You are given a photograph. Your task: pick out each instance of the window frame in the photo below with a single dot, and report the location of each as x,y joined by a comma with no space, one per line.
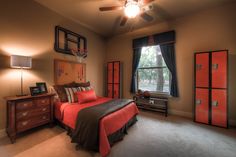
154,67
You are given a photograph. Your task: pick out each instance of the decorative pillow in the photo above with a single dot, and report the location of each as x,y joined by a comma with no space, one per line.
86,96
60,90
83,84
86,88
71,94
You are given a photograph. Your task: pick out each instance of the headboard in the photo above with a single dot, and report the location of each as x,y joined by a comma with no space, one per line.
68,71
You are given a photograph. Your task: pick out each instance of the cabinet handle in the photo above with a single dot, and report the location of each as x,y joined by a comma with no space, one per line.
198,66
215,103
44,109
25,114
25,104
44,117
43,101
198,102
24,123
215,66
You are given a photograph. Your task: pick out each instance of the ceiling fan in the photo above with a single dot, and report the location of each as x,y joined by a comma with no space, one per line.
132,8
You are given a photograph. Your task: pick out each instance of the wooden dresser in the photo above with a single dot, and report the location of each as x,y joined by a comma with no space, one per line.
27,112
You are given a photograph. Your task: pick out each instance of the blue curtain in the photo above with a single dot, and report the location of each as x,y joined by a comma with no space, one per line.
137,48
168,53
136,59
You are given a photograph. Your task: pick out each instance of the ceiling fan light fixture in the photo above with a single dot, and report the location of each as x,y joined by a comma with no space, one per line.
132,9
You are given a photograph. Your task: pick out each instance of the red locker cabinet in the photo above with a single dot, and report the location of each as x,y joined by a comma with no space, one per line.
219,107
211,88
202,70
219,70
114,79
202,105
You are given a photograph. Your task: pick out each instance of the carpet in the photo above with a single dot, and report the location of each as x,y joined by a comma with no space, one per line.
152,136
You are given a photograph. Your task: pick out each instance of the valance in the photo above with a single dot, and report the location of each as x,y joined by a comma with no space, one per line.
158,39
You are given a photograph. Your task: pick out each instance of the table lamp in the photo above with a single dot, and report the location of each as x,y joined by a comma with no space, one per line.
21,62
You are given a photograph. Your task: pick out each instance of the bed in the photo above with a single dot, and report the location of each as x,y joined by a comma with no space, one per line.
66,113
112,127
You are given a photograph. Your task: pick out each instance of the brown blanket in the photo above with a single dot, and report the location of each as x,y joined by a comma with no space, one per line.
86,132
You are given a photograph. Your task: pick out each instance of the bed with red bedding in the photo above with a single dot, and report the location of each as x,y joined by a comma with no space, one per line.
67,114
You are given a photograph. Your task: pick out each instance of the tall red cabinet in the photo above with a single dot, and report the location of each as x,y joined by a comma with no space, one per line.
211,88
114,79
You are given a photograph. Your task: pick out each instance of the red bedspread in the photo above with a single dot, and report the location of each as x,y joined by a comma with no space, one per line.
67,113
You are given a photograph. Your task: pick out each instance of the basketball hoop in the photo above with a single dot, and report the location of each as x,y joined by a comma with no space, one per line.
79,52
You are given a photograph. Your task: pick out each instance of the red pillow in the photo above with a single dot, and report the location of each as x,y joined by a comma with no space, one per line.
86,96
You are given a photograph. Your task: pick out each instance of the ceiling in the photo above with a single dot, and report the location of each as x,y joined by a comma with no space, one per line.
86,13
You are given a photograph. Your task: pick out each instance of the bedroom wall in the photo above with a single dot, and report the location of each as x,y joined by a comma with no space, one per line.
27,28
212,29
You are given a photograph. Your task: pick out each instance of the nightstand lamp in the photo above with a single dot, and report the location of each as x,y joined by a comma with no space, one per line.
21,62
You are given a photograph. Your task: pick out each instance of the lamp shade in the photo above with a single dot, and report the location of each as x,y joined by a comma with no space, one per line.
24,62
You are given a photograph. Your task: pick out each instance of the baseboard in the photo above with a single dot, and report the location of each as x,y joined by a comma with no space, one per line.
190,115
181,113
2,133
232,122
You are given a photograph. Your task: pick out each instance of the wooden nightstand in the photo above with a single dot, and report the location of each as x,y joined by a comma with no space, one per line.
27,112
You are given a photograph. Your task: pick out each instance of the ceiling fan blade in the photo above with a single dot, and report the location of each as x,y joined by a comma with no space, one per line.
110,8
146,17
123,21
147,1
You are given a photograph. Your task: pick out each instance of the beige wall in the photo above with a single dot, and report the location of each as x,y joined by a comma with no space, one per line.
27,28
212,29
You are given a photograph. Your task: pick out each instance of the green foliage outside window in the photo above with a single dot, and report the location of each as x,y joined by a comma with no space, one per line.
153,75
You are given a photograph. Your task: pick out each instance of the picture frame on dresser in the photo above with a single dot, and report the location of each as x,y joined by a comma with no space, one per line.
34,91
42,87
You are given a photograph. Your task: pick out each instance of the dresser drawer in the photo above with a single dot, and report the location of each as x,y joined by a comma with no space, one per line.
33,112
24,105
42,102
33,122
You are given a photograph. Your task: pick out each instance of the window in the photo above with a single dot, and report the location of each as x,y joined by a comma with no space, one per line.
153,75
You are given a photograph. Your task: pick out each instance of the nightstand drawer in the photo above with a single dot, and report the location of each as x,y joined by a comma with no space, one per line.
24,105
33,122
42,101
30,113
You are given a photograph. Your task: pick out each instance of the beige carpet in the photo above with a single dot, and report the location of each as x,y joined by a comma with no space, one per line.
152,136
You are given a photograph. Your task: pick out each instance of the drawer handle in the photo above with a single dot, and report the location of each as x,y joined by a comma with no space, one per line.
44,109
24,123
198,102
43,101
25,114
25,104
215,103
44,117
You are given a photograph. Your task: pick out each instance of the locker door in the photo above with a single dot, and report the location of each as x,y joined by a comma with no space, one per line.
219,69
110,72
116,72
219,107
116,91
202,105
110,91
202,70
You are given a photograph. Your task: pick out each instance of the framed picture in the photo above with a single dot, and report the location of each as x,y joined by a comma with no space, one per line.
42,87
34,91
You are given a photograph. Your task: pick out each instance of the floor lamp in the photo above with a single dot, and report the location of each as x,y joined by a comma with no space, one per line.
21,62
